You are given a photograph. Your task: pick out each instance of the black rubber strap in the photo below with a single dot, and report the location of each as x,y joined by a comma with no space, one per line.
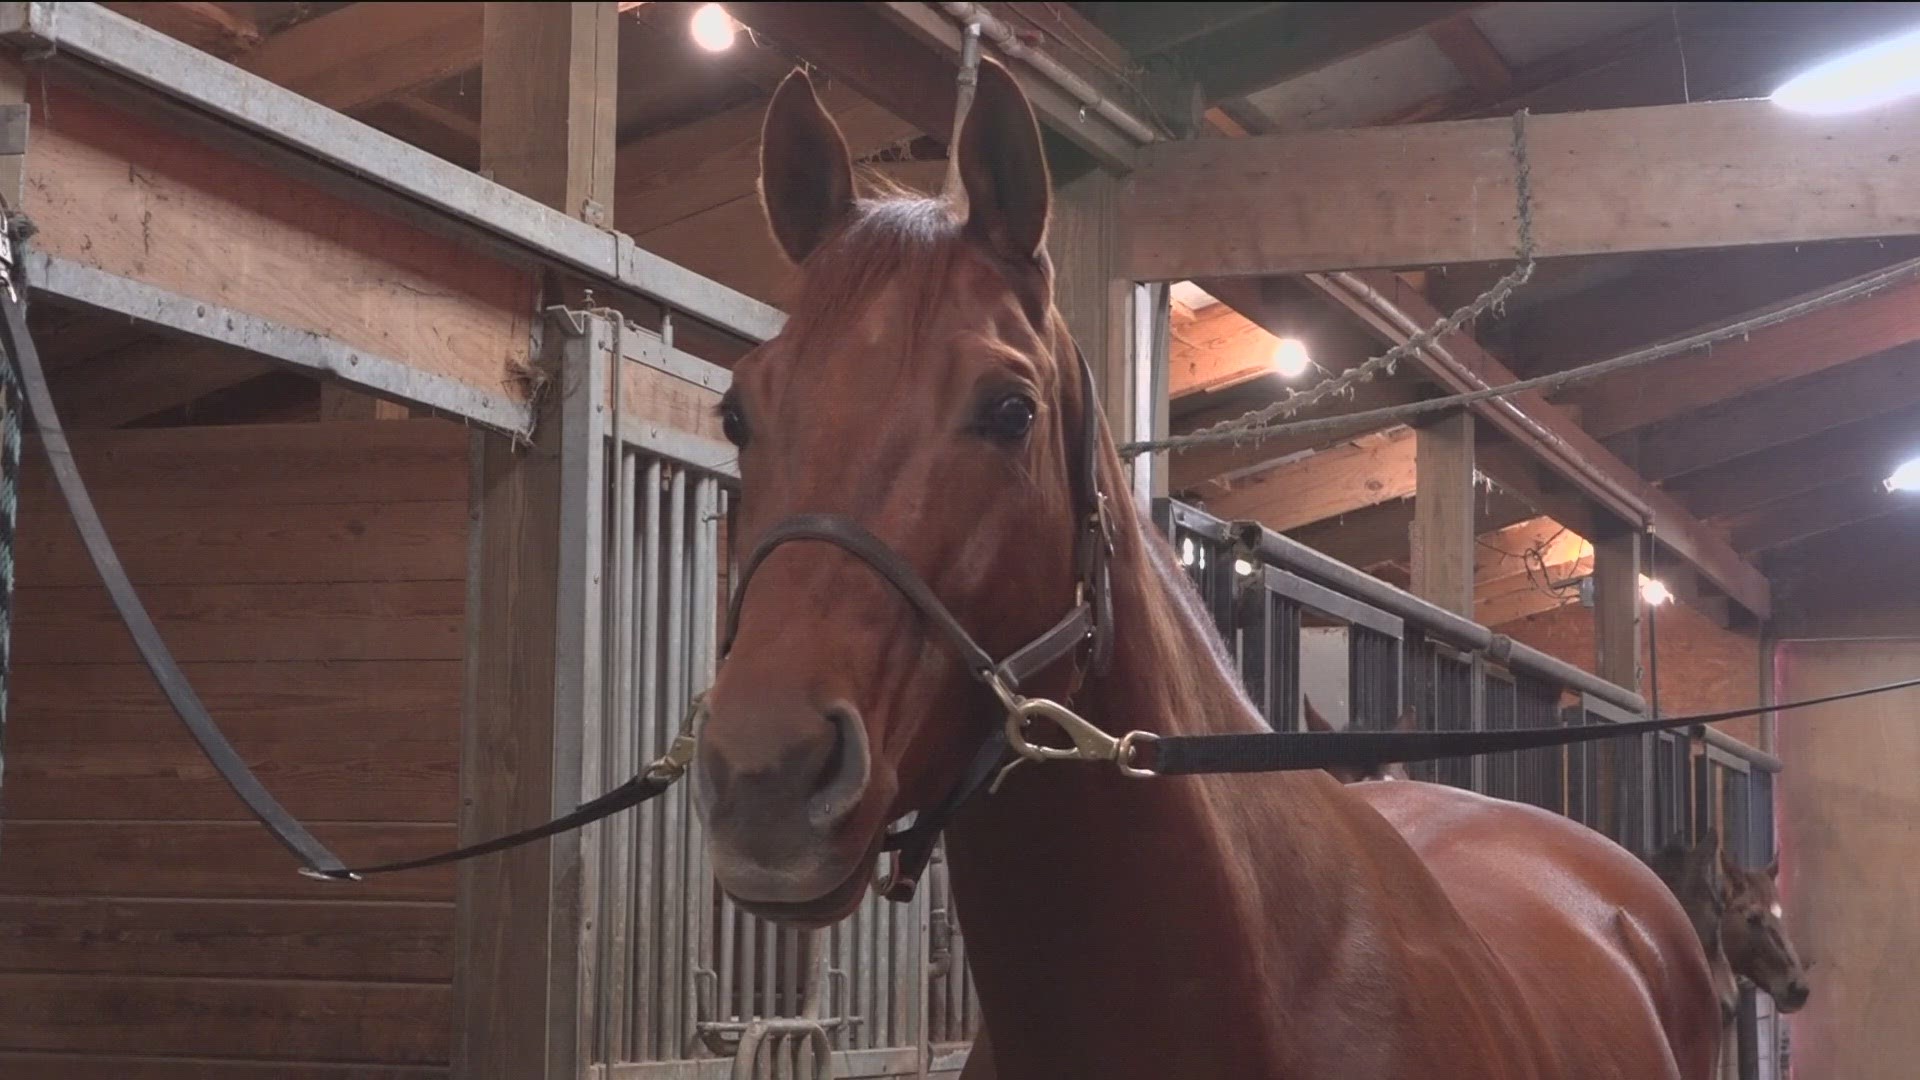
153,649
1291,751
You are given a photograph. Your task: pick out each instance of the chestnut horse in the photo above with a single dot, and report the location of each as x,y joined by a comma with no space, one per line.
1316,722
1280,926
1737,915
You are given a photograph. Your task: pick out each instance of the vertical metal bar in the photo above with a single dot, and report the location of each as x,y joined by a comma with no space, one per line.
1477,767
649,871
673,854
900,923
746,997
705,568
617,848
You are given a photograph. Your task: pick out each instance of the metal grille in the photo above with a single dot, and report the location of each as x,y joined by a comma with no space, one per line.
1542,778
1440,683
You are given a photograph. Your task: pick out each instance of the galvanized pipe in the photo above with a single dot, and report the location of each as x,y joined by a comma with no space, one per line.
1009,43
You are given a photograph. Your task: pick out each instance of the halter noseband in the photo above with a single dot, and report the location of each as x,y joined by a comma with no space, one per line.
1089,622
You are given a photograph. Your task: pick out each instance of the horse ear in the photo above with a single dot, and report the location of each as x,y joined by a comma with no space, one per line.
1315,722
1409,720
1731,870
806,174
1773,868
1003,170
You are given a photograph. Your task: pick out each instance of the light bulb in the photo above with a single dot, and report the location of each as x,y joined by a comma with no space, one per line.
1186,551
1242,567
1879,74
713,28
1906,477
1290,358
1654,591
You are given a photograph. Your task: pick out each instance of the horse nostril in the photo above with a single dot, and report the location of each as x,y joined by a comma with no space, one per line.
843,776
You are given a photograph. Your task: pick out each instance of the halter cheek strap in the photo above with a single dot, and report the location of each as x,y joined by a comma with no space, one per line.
1089,621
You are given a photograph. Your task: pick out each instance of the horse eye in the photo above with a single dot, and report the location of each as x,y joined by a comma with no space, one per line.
1006,419
733,423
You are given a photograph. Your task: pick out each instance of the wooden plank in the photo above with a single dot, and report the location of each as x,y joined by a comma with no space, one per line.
145,378
368,741
1565,448
1327,484
339,939
254,1018
1292,40
138,201
1869,451
854,46
201,546
1778,415
364,53
1216,349
1206,467
118,1067
1793,349
664,178
1732,174
250,623
1378,535
1813,513
1467,48
1442,539
227,860
260,466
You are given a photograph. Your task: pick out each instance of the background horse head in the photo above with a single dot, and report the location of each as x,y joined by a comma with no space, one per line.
1755,941
1316,722
925,388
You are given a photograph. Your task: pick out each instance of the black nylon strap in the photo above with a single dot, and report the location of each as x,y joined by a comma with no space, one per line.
153,649
1294,751
650,784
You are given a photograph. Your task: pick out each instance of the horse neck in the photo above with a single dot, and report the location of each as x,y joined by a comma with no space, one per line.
1068,860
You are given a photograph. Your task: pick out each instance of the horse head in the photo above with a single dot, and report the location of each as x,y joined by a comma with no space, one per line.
1754,938
924,390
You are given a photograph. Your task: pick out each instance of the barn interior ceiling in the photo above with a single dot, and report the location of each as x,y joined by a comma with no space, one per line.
1762,444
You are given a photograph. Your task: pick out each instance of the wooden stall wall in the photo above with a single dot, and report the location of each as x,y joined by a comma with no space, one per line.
1849,802
1703,666
310,579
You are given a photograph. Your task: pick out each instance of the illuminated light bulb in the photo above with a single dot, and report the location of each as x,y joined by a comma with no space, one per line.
713,28
1906,477
1186,551
1242,567
1879,74
1290,358
1654,591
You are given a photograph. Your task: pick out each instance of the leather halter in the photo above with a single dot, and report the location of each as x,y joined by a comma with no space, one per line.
1089,622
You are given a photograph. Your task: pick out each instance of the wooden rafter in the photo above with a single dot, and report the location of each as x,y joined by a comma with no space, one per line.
364,53
1775,416
1812,513
1291,40
220,29
1476,58
1869,450
1428,194
1365,472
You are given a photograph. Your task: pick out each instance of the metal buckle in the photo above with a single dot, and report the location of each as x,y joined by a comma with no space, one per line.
1089,742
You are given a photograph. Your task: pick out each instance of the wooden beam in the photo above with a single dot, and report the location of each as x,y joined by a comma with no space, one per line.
855,46
540,103
1377,536
1815,512
1549,435
365,53
522,974
1291,40
1442,539
1616,608
1366,472
1203,467
1476,58
1731,174
1811,343
1775,416
215,28
1217,348
1868,450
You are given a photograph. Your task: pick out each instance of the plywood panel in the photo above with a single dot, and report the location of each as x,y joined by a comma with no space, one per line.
262,465
195,546
375,942
1849,820
121,195
210,859
290,1020
277,621
341,741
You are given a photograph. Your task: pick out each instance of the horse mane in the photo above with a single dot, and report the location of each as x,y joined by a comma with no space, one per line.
894,239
